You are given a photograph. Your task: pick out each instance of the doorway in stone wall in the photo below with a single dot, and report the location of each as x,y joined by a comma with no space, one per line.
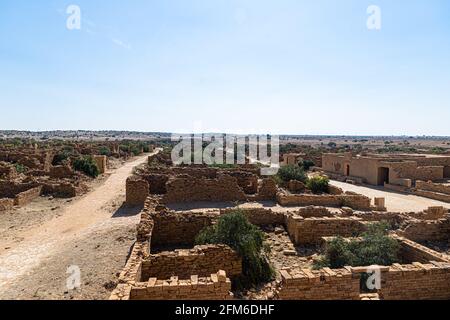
383,176
446,172
347,170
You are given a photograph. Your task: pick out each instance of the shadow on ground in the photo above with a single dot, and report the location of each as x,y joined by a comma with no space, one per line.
127,211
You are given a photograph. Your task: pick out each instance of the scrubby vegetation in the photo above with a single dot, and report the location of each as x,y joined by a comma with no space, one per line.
291,172
66,154
86,165
318,184
306,164
375,247
237,232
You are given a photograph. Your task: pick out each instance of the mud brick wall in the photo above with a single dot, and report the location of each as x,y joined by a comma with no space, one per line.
416,282
215,287
26,197
434,187
311,230
189,189
137,190
177,228
324,284
358,202
426,230
260,216
6,204
202,261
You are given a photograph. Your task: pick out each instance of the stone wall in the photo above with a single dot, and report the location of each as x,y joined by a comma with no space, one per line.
215,287
260,216
311,230
61,172
324,284
6,204
189,189
60,190
26,197
358,202
101,162
137,191
432,195
201,261
177,228
411,251
416,282
426,230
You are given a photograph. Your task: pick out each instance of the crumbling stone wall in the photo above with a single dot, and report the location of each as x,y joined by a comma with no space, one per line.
426,230
215,287
201,261
177,228
260,216
6,204
61,172
416,282
26,197
157,183
411,252
324,284
60,190
137,191
311,230
190,189
101,162
358,202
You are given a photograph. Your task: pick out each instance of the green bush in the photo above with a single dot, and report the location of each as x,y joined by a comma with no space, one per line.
237,232
307,164
291,172
86,165
104,151
374,248
20,168
318,184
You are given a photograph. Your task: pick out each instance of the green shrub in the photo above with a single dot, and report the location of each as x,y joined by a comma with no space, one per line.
307,164
104,151
86,165
20,168
291,172
374,248
318,184
237,232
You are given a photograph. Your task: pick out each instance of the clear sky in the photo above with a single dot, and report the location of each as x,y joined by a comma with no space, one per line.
285,66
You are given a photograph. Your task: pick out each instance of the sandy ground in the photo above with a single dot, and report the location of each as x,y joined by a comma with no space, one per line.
93,233
395,201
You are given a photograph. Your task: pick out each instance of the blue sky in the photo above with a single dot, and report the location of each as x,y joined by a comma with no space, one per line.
287,66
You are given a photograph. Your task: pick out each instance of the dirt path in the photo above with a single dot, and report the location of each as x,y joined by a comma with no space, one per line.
395,202
82,220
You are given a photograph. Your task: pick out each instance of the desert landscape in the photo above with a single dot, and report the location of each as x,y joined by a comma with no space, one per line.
133,222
